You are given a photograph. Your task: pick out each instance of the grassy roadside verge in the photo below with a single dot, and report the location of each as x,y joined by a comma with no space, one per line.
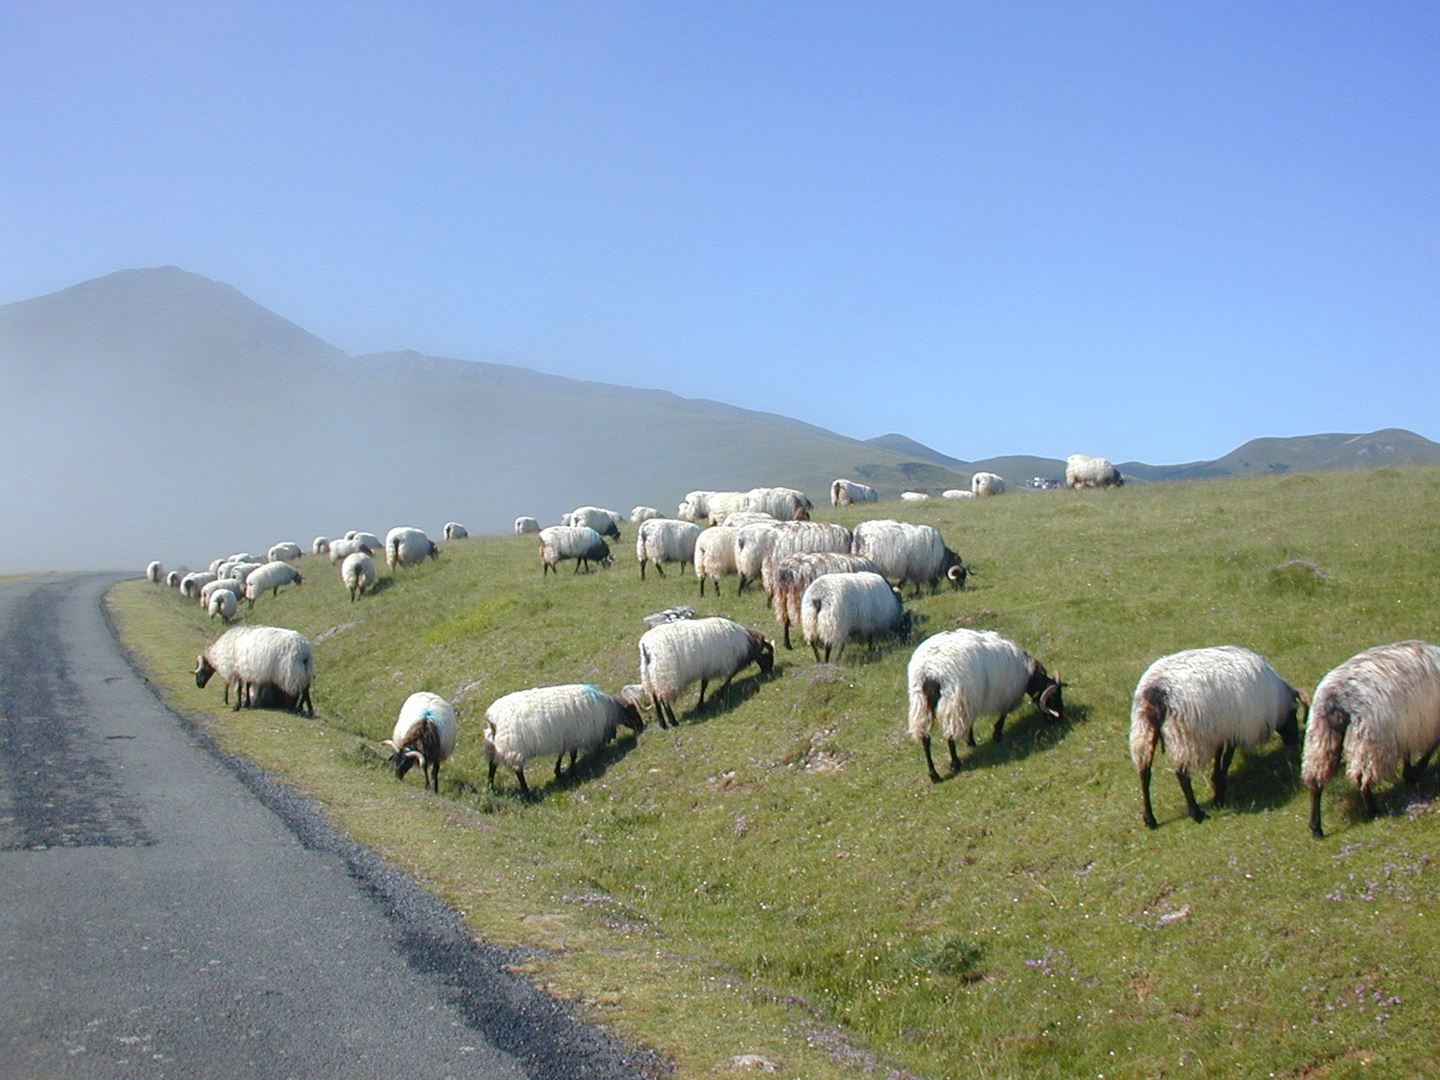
779,878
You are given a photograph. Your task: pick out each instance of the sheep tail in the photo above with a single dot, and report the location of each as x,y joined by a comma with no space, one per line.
1146,727
1324,741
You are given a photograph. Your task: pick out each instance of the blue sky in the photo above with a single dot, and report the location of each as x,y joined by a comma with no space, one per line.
1150,231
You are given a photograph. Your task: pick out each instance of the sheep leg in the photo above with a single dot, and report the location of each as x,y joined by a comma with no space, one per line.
787,634
659,569
999,732
1367,798
670,711
306,703
1196,814
838,653
572,759
954,757
703,684
1315,829
642,569
432,777
1219,777
929,761
524,787
1148,814
1411,773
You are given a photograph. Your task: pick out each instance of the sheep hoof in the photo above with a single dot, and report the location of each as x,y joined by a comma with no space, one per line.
1150,822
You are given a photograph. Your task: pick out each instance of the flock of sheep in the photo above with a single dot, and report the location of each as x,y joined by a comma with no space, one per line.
1379,711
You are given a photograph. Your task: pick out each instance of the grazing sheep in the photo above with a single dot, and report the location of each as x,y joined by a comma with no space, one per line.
796,537
285,551
561,542
794,573
555,720
662,540
173,578
154,573
909,553
240,571
960,676
913,496
270,576
366,539
781,503
676,655
208,589
265,664
525,525
987,483
1381,710
1199,705
846,492
341,550
710,507
1082,470
643,513
715,555
357,572
957,493
605,522
223,602
455,531
424,735
193,582
406,545
320,545
847,606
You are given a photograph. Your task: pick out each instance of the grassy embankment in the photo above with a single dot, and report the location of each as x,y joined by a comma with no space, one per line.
780,877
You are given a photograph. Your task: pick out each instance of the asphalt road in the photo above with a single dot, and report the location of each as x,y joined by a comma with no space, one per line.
168,912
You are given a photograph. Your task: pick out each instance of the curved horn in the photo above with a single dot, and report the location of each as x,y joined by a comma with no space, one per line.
418,757
389,744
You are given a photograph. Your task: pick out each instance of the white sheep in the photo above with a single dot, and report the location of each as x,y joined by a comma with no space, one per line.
455,531
223,602
155,573
340,550
357,573
781,503
270,577
710,507
846,492
285,551
676,655
266,664
715,555
913,496
406,545
425,734
525,525
578,542
957,493
1199,705
209,588
555,720
795,537
366,539
738,519
959,677
1083,470
987,483
903,552
1381,710
643,513
173,578
662,540
320,545
850,606
241,571
794,573
605,522
193,582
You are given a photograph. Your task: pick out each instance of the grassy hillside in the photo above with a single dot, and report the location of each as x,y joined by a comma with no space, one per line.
780,877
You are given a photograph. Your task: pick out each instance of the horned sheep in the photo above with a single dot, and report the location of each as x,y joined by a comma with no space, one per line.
561,542
555,720
794,573
662,540
406,545
425,735
265,664
1380,710
676,655
1199,705
958,677
850,606
846,492
903,552
1083,470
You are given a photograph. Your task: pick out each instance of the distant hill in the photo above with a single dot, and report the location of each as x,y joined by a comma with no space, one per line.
158,414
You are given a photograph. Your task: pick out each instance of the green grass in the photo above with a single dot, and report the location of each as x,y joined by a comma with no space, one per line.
779,876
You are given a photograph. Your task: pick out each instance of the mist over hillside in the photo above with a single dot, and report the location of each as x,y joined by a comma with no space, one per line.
158,414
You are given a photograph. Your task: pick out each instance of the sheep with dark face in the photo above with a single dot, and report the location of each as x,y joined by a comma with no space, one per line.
676,655
425,734
605,522
555,720
266,665
851,606
909,553
1380,710
406,545
270,577
578,542
662,540
794,573
958,677
846,492
1083,470
1199,705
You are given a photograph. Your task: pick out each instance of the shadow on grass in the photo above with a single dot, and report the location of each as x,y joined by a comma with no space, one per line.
1025,734
1397,799
719,701
1263,780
